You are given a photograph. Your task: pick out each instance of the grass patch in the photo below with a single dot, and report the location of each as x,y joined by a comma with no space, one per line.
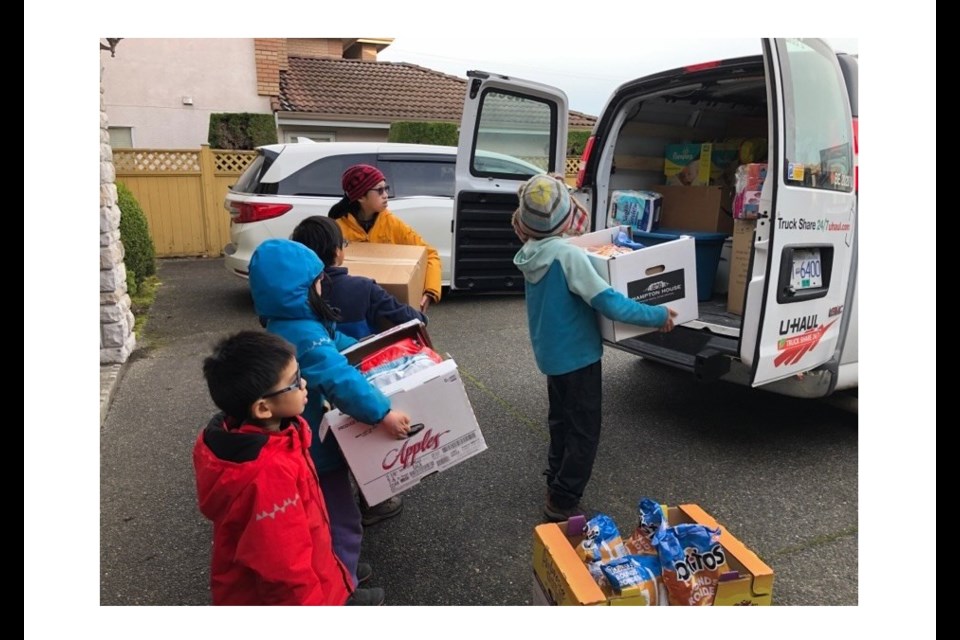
141,302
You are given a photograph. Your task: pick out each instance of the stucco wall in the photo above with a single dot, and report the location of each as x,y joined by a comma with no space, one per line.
145,84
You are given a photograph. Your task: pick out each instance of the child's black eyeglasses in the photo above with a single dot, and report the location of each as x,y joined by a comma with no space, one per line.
382,190
292,387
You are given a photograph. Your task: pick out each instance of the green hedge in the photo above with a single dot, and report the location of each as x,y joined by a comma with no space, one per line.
241,130
576,141
444,133
139,254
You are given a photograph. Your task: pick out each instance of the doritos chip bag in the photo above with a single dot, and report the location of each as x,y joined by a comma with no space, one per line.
650,522
692,560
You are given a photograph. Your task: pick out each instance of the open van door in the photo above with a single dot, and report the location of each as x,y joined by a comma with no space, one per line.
504,119
800,275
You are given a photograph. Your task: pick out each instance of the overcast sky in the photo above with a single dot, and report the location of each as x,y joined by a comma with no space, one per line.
587,75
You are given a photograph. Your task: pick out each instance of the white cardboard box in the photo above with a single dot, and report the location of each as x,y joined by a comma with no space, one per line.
448,433
659,275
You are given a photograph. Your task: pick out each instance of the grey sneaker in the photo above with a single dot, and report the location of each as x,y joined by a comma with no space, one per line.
377,513
364,572
372,597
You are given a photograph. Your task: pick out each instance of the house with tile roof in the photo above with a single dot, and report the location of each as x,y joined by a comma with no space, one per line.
159,93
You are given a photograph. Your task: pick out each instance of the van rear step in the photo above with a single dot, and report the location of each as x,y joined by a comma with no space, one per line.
704,354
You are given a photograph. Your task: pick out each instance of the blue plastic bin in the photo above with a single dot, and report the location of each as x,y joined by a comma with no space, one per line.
708,249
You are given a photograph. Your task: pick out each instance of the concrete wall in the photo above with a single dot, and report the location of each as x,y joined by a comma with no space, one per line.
146,83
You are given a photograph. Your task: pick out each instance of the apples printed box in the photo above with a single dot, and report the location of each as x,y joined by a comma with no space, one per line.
446,434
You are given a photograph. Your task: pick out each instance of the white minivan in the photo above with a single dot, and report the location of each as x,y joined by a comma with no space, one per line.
796,335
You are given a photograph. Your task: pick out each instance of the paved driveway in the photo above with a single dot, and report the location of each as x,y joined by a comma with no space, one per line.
780,473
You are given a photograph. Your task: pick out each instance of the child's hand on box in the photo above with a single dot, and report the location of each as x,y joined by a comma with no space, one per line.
396,423
668,325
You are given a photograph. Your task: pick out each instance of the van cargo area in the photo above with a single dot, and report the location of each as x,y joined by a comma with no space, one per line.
661,140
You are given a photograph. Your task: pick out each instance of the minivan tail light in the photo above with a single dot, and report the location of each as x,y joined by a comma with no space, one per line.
258,211
581,172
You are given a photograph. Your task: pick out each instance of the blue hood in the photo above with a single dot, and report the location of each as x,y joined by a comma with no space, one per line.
281,274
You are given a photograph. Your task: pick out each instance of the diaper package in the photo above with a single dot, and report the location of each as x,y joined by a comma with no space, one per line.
638,209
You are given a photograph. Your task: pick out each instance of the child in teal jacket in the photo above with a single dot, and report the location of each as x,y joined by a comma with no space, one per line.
563,295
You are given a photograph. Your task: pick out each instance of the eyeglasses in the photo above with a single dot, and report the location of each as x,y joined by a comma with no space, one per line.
344,244
382,190
292,387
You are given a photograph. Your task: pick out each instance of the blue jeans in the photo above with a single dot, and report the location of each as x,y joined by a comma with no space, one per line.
346,527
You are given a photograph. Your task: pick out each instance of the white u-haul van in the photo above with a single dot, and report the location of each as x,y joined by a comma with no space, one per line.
790,324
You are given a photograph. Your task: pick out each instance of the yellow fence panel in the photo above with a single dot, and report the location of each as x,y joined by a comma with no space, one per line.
181,192
172,205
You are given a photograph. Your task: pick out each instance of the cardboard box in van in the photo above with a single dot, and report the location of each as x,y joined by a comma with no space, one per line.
398,268
739,262
664,274
696,208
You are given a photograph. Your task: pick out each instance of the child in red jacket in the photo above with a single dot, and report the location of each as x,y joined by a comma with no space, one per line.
257,483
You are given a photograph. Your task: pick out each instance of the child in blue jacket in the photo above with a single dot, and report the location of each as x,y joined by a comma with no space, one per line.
364,308
563,295
286,284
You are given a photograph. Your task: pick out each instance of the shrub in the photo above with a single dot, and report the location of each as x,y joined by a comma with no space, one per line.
138,249
576,141
241,130
443,133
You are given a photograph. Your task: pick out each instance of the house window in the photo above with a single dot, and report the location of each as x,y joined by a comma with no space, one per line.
121,137
304,136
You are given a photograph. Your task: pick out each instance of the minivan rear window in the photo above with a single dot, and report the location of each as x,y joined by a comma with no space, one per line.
250,178
322,178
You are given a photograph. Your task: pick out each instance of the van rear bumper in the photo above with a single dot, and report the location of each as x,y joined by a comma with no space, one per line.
712,357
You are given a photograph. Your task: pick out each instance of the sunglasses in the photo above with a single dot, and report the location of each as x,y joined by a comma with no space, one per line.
292,387
382,190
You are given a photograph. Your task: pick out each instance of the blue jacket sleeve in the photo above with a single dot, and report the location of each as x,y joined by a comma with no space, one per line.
385,309
342,341
322,365
616,306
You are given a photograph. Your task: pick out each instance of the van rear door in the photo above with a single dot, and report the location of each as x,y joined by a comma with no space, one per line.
804,243
502,116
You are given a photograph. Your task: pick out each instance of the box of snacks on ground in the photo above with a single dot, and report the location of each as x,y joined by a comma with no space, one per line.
677,556
662,274
426,386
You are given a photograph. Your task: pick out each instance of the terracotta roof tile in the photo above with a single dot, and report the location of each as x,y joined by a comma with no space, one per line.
378,91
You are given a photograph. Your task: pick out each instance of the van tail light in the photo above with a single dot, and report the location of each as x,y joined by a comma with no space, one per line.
587,150
693,68
856,156
257,211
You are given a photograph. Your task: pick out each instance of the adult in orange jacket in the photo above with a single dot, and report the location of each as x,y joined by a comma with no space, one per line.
363,217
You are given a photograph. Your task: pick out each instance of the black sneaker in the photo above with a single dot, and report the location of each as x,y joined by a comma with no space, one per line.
364,572
377,513
371,597
553,513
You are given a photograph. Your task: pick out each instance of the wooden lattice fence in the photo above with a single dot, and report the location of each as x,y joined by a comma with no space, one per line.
181,192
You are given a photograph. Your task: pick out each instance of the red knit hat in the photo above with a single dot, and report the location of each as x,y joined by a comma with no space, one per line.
359,179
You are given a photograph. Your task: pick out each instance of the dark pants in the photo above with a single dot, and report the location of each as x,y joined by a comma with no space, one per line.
346,528
574,422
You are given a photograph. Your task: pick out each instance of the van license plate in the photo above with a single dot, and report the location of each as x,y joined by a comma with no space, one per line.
806,270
